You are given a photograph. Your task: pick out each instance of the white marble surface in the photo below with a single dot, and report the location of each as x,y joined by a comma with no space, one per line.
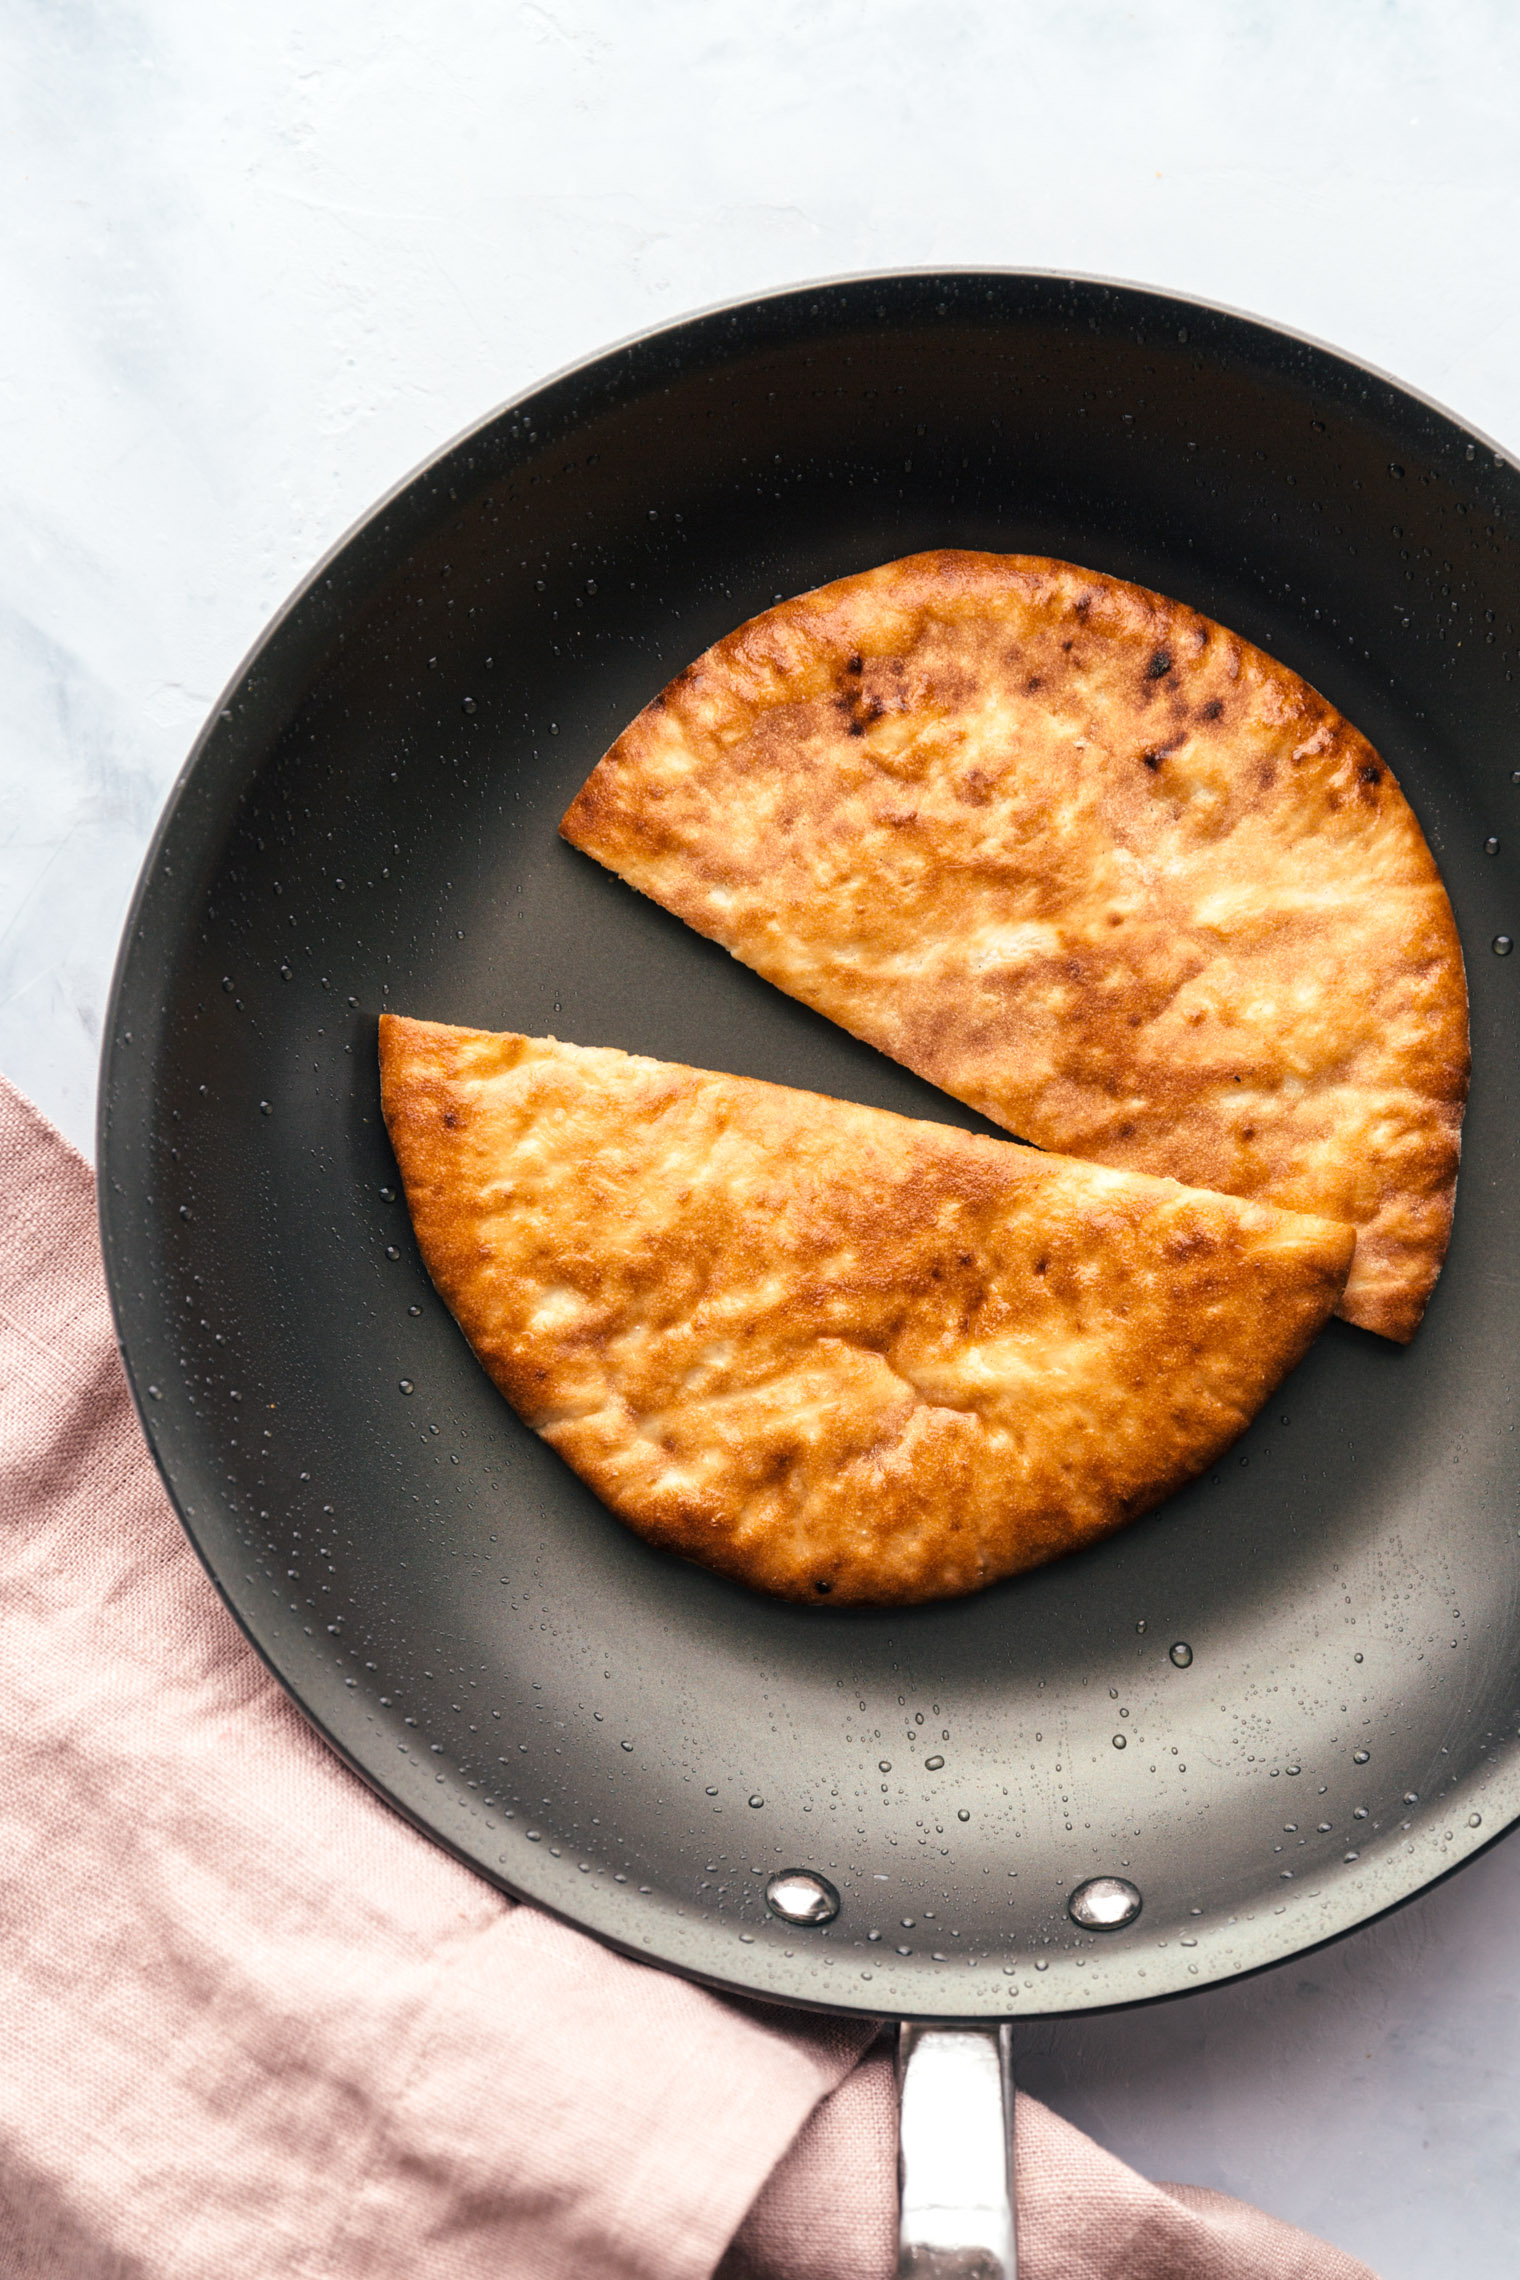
258,261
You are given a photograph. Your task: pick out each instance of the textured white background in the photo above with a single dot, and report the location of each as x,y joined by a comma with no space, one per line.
256,261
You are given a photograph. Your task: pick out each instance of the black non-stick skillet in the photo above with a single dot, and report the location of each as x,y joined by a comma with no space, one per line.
1284,1702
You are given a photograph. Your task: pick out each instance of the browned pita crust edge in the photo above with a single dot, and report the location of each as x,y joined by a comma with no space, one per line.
1089,861
834,1354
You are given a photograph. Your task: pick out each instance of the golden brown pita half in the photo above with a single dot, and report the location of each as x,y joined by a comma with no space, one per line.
830,1352
1088,861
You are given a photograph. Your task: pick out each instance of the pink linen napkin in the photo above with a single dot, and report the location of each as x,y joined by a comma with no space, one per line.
252,2024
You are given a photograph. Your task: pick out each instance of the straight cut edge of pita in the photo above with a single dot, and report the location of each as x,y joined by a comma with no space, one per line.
1089,861
832,1353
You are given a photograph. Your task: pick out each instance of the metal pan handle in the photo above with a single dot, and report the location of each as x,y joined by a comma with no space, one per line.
955,2154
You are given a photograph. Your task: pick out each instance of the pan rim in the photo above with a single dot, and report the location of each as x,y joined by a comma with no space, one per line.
1379,1884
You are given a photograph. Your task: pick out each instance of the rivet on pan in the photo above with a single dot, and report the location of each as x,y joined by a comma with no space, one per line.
1502,945
801,1896
1104,1904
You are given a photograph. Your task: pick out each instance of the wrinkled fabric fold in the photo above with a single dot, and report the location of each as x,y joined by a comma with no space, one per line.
252,2022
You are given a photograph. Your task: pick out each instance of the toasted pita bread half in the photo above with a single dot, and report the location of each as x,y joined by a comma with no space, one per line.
1088,861
833,1353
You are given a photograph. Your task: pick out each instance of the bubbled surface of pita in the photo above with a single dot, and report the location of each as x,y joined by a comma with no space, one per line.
1090,862
837,1354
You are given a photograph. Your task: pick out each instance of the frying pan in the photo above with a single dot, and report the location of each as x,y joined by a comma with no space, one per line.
1282,1703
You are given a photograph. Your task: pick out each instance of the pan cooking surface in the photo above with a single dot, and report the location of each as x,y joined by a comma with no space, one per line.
1284,1701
